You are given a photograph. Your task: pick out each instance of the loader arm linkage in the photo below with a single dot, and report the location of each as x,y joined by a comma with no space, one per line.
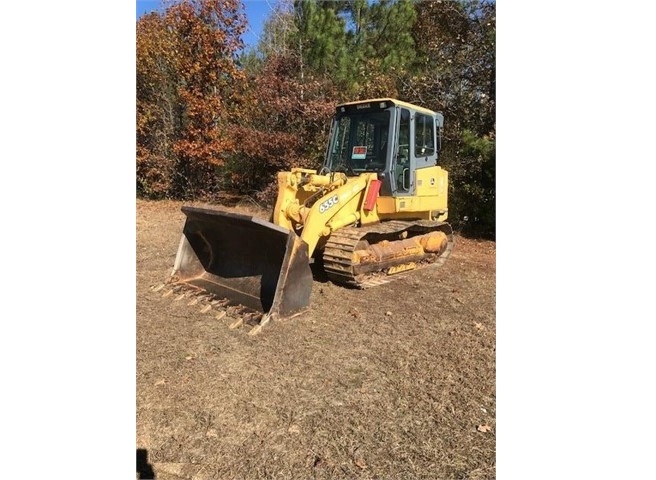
317,205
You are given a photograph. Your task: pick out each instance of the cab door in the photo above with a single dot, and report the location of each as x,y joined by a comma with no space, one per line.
416,149
402,160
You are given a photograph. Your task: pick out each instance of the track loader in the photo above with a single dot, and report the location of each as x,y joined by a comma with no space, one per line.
376,208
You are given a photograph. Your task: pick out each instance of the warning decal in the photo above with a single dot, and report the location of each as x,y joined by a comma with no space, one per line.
359,153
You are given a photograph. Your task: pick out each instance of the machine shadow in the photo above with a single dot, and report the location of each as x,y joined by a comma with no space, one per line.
144,469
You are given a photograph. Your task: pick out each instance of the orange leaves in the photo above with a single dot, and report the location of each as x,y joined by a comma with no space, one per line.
187,77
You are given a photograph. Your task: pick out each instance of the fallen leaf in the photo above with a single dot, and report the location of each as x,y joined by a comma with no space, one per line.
360,463
484,428
294,429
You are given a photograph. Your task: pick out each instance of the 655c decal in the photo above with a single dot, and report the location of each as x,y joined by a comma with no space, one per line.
332,201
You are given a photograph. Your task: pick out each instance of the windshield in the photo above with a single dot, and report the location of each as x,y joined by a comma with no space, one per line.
359,142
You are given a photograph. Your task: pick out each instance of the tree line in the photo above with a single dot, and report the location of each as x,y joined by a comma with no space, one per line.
215,118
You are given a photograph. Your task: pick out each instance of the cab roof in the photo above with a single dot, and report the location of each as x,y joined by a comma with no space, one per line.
393,101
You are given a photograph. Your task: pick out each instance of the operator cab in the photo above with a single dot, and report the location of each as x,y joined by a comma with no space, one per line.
386,136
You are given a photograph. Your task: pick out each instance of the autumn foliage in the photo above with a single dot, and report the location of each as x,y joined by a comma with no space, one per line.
187,81
213,117
283,123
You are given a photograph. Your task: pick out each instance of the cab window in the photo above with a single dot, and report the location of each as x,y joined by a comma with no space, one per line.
424,135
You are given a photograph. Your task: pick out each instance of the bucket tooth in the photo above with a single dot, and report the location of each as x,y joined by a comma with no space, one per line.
236,324
255,330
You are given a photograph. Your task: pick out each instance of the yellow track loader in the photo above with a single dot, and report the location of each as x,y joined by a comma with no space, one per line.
376,208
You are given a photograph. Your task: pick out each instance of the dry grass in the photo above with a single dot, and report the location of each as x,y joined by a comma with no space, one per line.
343,391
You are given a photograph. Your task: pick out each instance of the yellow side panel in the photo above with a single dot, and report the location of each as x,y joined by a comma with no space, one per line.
432,181
431,196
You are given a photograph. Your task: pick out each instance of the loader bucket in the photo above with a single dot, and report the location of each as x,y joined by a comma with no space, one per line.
247,260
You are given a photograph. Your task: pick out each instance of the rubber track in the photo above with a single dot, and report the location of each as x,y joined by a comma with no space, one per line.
338,253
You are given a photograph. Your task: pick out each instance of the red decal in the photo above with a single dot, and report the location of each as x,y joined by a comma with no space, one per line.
372,195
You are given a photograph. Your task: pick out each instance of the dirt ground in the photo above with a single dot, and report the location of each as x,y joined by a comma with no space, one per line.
393,382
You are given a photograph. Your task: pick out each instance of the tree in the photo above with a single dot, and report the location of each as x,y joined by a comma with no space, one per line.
455,73
158,107
361,46
283,123
187,76
275,39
